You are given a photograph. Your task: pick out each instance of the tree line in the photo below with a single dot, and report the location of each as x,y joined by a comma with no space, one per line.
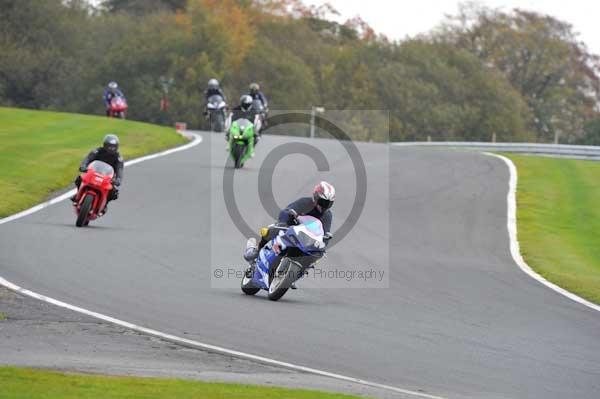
513,75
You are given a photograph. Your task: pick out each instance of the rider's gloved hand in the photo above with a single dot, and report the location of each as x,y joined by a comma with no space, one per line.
83,169
117,182
292,216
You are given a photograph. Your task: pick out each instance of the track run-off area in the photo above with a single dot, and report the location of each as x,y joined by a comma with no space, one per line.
457,318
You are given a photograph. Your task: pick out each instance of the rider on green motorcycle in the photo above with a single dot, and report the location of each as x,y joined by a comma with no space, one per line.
243,111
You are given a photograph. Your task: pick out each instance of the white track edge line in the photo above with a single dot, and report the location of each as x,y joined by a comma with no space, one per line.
514,242
197,139
213,348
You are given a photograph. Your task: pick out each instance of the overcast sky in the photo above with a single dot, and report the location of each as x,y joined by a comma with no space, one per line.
399,18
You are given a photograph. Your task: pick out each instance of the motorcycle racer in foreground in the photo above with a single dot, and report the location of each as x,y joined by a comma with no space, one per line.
318,205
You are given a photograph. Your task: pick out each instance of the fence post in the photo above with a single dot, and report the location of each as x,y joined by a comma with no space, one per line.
180,127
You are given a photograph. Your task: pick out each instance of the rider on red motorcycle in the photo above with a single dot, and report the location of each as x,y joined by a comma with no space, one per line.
109,153
112,90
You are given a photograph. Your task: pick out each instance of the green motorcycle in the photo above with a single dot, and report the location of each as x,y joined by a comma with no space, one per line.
241,141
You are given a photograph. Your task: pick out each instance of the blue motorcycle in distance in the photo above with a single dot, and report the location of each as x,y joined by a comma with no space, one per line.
301,246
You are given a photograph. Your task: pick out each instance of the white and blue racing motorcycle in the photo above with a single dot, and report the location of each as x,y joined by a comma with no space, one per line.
298,246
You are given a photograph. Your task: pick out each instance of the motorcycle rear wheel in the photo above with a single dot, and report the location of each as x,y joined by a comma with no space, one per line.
247,287
84,211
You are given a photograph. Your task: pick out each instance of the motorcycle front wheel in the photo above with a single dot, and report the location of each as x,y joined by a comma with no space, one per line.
237,153
285,274
84,211
217,122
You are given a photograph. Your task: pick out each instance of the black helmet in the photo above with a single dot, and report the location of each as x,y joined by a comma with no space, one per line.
254,88
245,102
111,143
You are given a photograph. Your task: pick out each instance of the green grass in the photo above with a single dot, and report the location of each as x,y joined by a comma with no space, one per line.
40,151
2,316
17,383
558,216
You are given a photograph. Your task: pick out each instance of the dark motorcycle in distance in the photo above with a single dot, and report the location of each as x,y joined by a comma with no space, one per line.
216,109
261,114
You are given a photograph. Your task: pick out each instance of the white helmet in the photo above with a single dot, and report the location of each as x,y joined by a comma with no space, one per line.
213,84
245,102
113,85
324,195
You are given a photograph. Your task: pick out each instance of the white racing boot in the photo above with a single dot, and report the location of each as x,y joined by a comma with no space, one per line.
251,252
250,255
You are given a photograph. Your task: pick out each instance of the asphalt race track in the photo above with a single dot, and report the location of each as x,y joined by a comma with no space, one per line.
459,319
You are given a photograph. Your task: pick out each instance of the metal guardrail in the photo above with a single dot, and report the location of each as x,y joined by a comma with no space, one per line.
562,150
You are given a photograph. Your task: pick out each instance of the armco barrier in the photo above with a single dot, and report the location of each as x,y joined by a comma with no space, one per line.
563,150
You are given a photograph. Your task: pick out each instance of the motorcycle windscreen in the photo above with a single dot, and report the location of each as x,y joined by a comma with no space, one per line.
311,237
102,168
243,124
215,99
312,224
257,105
245,127
118,102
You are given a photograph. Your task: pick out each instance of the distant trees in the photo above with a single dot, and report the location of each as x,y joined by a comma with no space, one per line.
143,7
591,132
447,94
518,75
37,58
541,57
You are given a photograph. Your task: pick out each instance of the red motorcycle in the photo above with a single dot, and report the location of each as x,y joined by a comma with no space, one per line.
117,107
96,184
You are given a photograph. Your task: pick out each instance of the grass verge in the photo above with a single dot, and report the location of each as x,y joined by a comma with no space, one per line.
21,383
2,316
559,221
40,151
